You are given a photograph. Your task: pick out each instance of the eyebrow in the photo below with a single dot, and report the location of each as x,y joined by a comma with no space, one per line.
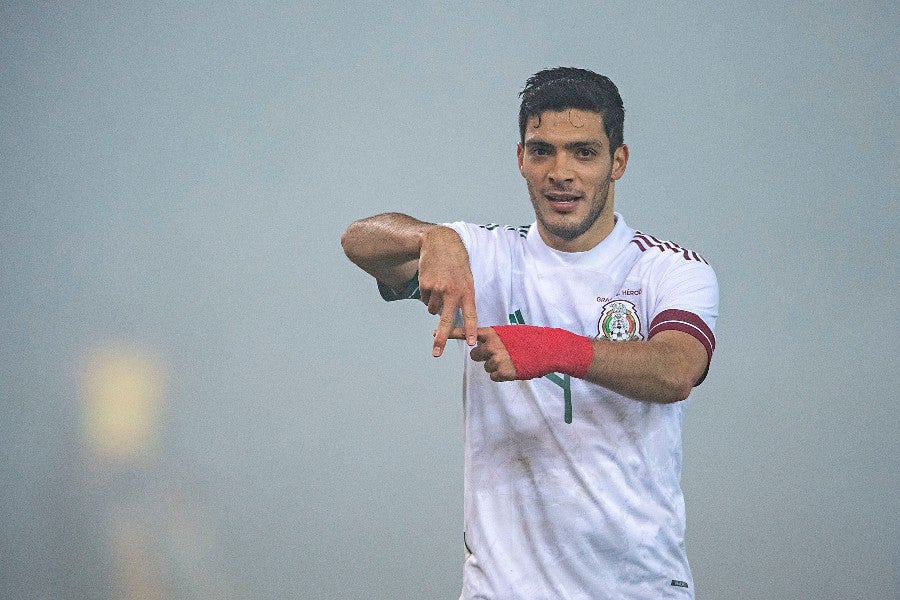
568,146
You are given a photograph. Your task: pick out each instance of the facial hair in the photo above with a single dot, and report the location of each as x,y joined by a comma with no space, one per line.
573,230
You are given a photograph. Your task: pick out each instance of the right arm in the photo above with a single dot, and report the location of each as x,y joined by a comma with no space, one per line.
386,247
392,247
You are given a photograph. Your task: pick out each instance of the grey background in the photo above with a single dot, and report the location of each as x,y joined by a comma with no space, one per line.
174,180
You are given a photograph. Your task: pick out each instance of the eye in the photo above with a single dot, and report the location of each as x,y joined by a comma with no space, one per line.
585,152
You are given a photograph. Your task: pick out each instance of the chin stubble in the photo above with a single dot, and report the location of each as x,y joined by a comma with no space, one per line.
573,231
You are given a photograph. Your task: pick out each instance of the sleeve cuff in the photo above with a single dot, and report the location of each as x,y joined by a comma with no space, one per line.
409,292
689,323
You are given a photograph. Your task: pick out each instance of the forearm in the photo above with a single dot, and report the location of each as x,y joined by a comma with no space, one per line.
662,370
392,247
386,246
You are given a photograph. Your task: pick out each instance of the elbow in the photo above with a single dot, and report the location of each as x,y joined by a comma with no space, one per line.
680,379
677,388
681,393
682,388
345,242
348,243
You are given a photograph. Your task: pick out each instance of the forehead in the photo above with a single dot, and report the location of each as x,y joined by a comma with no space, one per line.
566,124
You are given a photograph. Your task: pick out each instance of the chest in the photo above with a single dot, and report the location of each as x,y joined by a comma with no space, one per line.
613,300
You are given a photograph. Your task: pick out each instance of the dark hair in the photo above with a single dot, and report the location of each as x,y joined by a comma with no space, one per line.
565,88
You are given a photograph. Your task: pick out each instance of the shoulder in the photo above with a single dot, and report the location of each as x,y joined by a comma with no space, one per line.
672,270
684,288
491,229
506,230
653,248
664,258
479,237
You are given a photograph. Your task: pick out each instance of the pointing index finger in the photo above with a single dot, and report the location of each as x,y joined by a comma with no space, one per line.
470,321
459,333
445,325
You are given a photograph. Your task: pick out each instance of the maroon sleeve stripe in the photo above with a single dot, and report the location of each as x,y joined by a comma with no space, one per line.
645,242
686,322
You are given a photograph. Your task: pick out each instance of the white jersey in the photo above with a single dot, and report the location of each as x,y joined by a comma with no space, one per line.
573,491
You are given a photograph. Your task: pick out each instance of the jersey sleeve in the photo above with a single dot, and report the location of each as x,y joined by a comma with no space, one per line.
411,289
475,239
468,233
409,292
489,246
688,301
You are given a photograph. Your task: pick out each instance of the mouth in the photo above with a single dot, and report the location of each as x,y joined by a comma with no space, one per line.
563,201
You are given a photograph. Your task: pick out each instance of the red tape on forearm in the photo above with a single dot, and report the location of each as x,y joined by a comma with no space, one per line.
538,351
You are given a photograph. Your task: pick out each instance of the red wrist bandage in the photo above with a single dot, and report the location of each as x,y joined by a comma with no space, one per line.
538,351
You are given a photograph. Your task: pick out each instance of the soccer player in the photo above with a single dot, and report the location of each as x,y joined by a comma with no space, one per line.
586,337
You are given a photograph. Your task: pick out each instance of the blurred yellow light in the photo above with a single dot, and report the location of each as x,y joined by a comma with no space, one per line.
123,389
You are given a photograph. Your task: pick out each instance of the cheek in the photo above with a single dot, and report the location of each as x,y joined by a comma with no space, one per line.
597,178
531,174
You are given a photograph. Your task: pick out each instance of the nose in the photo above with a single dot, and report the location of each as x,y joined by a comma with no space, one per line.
560,169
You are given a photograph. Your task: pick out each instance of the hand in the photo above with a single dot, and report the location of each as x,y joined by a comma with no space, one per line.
490,351
445,284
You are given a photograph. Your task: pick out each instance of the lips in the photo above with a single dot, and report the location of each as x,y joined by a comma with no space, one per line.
563,201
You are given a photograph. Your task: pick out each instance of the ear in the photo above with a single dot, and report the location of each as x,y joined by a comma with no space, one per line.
619,162
520,156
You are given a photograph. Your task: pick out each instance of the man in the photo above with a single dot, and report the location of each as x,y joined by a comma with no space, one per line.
572,399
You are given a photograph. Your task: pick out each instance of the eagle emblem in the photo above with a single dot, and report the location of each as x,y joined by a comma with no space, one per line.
619,322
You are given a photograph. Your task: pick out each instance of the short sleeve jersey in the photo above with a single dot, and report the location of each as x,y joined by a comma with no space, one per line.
573,491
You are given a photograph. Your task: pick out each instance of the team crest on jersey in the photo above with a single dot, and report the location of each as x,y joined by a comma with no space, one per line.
619,322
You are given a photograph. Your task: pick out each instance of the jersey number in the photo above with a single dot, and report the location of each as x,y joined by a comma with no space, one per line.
564,381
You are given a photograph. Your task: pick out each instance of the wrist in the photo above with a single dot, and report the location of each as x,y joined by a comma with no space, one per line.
538,351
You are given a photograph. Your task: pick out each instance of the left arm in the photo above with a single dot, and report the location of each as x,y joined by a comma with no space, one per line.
663,369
